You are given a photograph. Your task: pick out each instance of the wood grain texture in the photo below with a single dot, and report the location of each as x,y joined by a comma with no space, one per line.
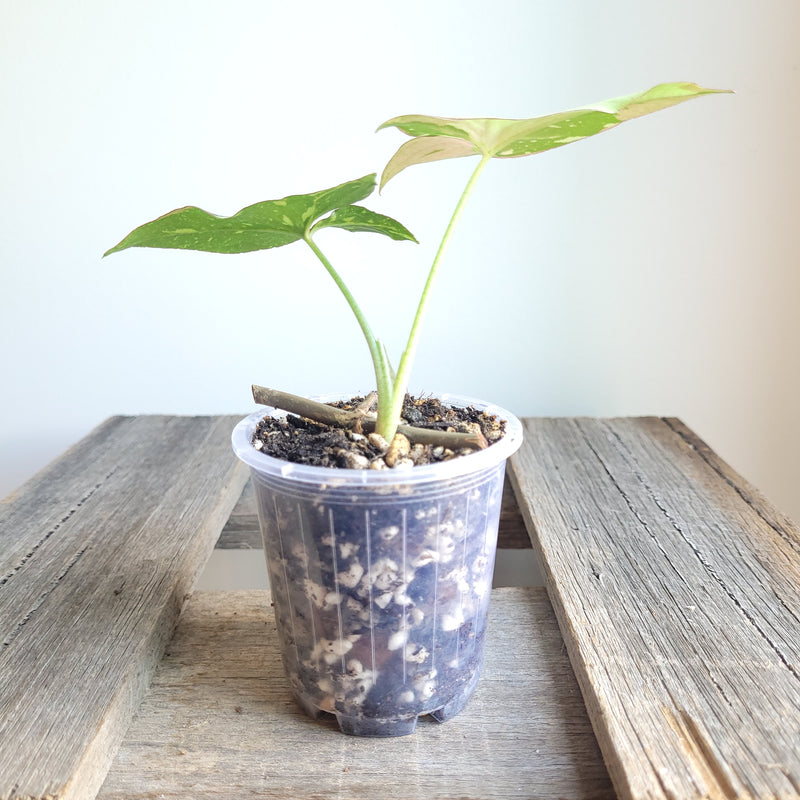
241,531
97,554
677,589
219,721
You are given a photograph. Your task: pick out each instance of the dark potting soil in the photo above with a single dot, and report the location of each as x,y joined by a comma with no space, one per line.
305,441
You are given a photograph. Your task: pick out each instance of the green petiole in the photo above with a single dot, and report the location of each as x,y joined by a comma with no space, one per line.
392,388
404,368
383,373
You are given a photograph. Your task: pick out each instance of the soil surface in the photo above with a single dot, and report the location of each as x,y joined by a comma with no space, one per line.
304,441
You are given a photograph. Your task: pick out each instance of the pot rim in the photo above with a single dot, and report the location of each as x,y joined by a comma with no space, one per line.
492,456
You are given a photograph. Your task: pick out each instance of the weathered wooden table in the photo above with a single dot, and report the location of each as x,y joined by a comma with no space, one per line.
663,661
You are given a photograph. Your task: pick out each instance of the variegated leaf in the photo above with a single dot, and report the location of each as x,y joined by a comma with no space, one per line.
363,220
261,226
437,138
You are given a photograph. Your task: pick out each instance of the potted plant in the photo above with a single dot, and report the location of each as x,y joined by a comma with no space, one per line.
381,569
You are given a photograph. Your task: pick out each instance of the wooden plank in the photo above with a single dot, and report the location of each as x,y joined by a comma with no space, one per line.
677,588
97,553
219,721
241,531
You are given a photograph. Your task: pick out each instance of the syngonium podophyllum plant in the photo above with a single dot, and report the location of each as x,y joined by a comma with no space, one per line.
274,223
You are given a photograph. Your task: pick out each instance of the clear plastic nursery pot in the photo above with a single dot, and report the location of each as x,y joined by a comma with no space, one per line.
381,579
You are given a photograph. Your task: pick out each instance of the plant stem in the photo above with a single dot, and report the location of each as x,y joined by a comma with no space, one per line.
404,368
392,388
379,362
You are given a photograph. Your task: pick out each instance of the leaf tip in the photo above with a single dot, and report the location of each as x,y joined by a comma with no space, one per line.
386,176
115,249
390,123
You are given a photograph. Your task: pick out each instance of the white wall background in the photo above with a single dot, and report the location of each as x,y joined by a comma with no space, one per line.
652,270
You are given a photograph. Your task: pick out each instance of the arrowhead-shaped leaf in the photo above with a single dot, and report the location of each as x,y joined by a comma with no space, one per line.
437,138
258,227
360,219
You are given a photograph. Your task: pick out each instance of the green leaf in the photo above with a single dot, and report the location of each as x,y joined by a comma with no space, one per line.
272,223
360,219
437,138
